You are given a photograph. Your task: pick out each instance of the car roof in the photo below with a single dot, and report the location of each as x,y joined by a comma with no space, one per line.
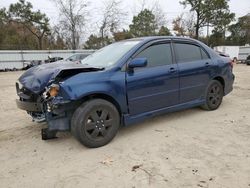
150,38
144,40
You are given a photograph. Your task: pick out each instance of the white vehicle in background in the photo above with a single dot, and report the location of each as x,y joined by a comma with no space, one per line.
231,51
248,60
244,52
77,57
238,53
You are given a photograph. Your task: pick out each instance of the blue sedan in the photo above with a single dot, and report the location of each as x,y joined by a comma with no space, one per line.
124,83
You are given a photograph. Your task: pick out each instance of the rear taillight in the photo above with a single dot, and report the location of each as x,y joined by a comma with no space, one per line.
231,63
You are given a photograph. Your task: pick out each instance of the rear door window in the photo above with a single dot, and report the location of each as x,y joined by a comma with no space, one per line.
187,52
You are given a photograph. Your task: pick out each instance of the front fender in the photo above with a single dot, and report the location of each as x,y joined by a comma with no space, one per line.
108,83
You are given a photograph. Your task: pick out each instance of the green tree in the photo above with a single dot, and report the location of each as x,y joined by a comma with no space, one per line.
13,35
3,16
216,39
95,42
35,21
144,24
210,13
122,35
240,31
2,24
164,31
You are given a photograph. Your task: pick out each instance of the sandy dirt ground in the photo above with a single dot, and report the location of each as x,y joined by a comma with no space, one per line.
191,148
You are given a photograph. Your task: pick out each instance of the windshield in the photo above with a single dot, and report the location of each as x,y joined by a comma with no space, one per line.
109,55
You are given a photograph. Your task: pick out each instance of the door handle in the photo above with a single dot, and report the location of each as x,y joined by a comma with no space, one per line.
207,64
172,70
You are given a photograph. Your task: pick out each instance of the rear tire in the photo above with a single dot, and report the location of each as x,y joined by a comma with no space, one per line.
95,123
214,96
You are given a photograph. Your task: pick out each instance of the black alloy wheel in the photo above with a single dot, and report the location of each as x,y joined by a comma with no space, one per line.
95,123
98,123
214,95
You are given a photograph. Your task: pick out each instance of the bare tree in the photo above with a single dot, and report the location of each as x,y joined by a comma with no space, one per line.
143,4
190,25
73,14
60,38
160,15
138,6
184,26
179,26
155,7
113,17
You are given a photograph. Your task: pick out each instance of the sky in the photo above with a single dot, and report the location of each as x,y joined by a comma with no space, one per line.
171,8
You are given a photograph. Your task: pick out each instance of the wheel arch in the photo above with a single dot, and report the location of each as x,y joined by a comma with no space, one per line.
221,80
104,97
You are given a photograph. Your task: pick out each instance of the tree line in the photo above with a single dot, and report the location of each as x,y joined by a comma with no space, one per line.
22,27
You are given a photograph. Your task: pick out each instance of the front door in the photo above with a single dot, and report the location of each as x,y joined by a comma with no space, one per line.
155,86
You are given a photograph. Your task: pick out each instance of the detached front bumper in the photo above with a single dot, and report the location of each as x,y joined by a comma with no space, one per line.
29,106
28,101
56,111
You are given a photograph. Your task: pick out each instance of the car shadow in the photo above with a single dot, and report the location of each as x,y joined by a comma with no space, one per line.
147,123
126,131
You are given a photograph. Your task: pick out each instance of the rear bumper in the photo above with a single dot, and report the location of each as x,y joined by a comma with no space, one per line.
229,85
29,106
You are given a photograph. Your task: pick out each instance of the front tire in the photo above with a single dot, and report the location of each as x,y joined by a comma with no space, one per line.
214,95
95,123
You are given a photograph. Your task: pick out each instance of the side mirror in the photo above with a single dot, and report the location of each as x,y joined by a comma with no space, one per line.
138,62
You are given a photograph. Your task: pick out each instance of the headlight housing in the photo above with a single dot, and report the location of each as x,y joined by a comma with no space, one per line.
19,84
53,90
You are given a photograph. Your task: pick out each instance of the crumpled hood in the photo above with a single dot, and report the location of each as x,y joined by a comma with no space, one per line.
37,78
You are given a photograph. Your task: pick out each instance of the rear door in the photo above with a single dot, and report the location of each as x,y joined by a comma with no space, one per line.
195,68
156,86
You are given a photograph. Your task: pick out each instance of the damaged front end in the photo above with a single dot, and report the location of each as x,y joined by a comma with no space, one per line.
46,107
48,103
31,102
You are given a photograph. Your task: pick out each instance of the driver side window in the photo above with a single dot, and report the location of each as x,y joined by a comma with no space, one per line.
157,55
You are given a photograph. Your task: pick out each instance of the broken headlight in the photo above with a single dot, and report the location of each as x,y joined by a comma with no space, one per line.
53,90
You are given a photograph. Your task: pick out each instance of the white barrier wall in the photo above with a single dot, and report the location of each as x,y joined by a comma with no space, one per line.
18,59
